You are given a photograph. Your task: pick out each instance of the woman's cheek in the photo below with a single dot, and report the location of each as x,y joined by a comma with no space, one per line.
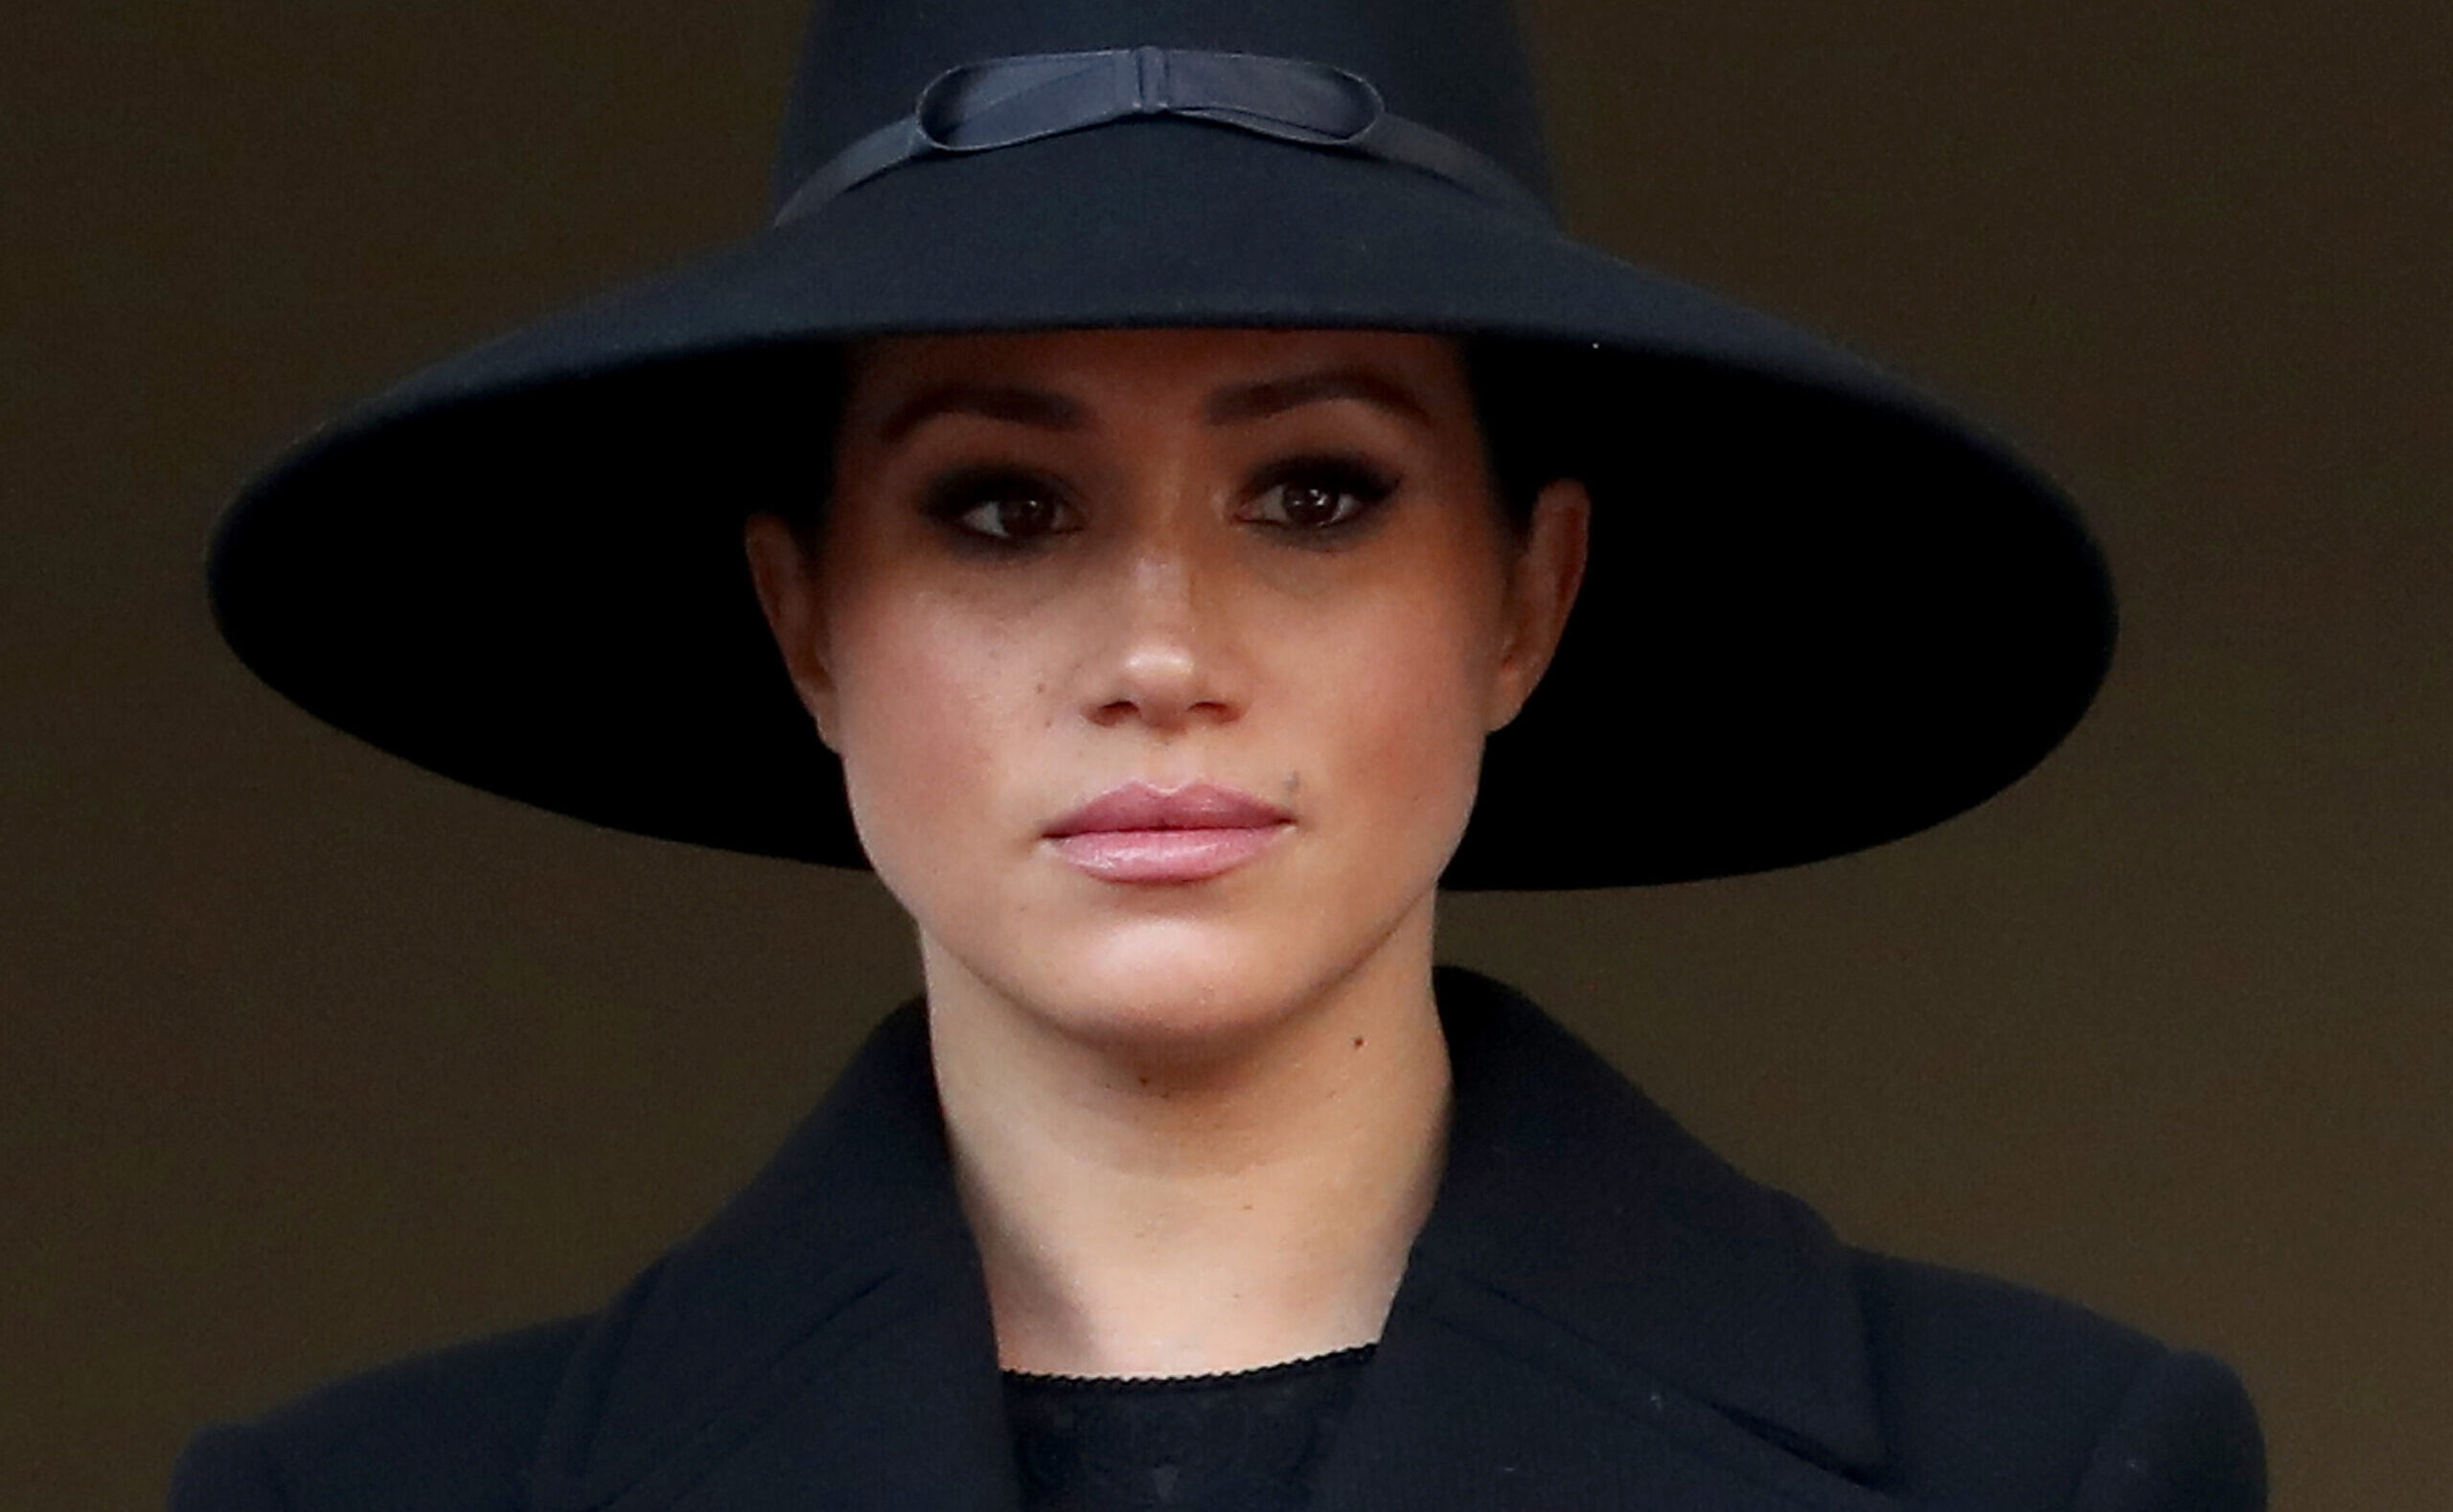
925,735
1410,736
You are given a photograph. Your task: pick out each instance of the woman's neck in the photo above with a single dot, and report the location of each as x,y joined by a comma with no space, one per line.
1144,1209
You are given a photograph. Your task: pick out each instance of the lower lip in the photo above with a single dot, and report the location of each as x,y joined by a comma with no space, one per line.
1164,855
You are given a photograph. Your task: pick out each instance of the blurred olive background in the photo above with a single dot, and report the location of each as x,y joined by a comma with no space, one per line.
311,1059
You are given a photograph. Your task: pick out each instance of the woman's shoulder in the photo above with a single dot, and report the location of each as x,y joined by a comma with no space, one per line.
455,1427
1977,1373
1988,1394
1579,1212
1598,1299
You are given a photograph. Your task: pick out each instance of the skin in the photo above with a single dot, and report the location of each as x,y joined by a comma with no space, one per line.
1197,1124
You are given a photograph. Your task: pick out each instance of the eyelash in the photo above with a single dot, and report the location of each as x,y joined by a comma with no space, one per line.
1359,487
1344,479
955,498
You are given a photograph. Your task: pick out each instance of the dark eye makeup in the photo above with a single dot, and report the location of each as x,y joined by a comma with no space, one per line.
1318,499
1312,500
1002,506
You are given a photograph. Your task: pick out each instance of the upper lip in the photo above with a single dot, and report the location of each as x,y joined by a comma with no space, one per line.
1140,806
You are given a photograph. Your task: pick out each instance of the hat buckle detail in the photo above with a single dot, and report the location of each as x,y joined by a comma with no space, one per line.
1007,101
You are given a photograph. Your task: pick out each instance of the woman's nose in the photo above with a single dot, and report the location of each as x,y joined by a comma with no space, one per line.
1170,661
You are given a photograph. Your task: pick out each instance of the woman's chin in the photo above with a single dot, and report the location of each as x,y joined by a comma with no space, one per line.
1169,989
1169,984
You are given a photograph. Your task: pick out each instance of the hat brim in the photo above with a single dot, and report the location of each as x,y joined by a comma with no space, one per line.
1821,613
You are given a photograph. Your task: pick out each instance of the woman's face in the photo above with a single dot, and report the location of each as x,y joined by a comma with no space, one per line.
1159,661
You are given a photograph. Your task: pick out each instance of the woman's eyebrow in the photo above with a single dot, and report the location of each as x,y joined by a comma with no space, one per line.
1250,402
1006,402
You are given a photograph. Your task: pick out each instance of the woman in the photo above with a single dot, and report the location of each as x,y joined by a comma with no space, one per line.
1168,460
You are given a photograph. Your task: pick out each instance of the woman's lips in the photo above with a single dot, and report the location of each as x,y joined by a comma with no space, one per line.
1141,833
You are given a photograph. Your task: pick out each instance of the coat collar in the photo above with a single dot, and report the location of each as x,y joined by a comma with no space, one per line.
1593,1287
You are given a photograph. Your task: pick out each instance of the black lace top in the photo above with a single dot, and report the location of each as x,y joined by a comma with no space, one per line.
1246,1442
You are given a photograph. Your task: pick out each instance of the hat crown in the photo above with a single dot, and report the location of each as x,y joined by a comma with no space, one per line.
1457,66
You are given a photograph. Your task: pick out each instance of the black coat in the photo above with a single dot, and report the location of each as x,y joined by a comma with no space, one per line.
1599,1314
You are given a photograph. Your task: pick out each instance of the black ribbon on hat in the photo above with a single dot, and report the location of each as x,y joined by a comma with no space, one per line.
1005,101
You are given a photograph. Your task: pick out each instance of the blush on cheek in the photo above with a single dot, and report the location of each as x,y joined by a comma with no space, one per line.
1414,740
920,750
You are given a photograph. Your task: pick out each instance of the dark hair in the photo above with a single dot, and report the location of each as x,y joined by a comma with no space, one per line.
1516,403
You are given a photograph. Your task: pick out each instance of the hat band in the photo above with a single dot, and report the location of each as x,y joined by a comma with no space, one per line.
1005,101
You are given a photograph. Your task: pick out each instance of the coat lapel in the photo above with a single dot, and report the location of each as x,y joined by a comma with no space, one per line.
1598,1314
823,1344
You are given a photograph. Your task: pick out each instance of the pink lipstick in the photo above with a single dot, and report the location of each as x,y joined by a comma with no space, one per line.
1141,833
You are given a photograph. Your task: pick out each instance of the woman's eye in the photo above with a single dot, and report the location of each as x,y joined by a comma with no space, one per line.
1015,518
1319,496
1005,507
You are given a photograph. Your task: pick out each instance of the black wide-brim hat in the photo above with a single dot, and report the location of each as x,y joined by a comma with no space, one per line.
1821,612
